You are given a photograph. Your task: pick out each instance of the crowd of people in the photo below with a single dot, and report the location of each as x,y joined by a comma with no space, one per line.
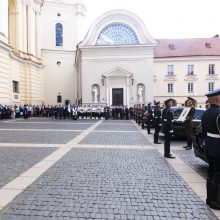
66,112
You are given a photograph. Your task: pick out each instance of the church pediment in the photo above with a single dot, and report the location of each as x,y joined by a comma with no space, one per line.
117,72
118,27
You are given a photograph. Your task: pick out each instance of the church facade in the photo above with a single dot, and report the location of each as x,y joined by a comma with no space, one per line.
44,55
21,69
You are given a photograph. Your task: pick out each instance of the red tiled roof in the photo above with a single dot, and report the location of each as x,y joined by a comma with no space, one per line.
187,47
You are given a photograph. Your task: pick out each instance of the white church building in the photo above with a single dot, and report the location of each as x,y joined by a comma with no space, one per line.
45,57
119,62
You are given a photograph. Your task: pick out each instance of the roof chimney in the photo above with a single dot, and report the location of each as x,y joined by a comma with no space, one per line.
172,46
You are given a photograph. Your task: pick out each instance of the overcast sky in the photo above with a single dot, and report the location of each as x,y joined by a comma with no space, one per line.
166,18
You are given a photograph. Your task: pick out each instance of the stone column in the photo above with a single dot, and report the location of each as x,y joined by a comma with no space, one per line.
107,92
38,35
4,18
31,31
19,27
24,27
127,90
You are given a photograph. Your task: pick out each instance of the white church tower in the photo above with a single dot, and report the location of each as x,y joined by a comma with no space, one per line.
62,28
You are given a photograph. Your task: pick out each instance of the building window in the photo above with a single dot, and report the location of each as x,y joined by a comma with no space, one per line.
190,70
15,85
170,87
211,86
117,34
170,70
59,35
190,87
211,68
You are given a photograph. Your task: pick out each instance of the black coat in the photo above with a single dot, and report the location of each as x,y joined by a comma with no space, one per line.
211,124
167,118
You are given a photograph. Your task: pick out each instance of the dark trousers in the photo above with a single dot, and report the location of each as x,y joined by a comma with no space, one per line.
148,126
156,132
167,143
213,183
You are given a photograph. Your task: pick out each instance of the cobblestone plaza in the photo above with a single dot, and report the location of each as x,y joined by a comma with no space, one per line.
96,169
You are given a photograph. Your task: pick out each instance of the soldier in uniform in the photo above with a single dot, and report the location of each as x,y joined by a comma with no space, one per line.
167,127
157,122
188,123
211,130
149,118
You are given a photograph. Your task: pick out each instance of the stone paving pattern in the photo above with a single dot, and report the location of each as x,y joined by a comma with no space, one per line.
92,121
115,138
118,127
36,137
15,161
57,126
194,162
109,184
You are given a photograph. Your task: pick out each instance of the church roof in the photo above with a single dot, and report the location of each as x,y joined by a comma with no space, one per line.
187,47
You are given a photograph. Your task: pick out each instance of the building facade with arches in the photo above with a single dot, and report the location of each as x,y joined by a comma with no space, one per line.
117,55
20,52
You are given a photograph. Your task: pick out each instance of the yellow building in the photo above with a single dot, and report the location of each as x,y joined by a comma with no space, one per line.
21,66
186,67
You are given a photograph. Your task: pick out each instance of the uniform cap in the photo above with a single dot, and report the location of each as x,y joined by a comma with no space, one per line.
213,93
167,100
157,103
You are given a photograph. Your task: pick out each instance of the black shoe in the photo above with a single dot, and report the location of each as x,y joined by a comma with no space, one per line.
188,148
185,146
169,156
157,142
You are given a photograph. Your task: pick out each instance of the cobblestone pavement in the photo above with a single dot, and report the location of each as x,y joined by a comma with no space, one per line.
119,127
92,121
196,163
37,137
115,138
101,183
117,121
14,161
109,184
57,126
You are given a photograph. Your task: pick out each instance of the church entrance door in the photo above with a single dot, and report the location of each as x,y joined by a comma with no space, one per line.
117,96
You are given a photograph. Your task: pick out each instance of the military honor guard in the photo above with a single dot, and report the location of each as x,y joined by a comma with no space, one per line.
157,122
167,127
211,130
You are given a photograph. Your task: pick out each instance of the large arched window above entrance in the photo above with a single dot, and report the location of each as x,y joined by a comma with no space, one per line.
117,34
59,35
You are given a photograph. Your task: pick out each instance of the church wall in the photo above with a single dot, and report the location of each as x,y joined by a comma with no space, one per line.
135,60
4,77
59,77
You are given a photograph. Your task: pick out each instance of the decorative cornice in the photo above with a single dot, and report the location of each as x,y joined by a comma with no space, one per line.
28,61
212,77
5,46
191,78
170,78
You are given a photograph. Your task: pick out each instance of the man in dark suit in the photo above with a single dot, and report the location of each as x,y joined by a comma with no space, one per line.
167,127
211,130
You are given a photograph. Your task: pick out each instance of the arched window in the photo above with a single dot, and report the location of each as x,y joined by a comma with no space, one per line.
59,35
117,34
